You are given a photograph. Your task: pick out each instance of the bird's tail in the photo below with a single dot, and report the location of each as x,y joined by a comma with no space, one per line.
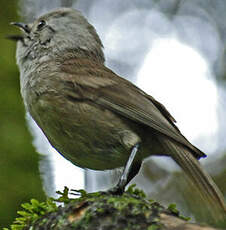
206,187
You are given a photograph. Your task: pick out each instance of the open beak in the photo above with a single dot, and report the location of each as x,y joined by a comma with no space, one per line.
22,26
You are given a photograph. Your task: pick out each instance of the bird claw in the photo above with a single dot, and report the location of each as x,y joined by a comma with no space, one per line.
117,190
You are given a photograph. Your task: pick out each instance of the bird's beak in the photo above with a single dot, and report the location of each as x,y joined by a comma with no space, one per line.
22,26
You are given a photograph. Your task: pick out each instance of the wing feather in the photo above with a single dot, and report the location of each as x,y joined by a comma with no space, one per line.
103,87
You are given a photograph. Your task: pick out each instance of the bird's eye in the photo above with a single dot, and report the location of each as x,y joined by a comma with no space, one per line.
41,24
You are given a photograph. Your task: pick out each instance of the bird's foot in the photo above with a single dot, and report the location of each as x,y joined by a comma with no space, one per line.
116,190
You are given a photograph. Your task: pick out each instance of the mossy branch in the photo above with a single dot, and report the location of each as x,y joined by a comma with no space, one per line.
101,211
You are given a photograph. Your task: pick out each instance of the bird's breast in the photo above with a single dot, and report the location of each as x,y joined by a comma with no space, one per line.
84,133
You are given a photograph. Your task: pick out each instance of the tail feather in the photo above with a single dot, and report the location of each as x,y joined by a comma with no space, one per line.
206,187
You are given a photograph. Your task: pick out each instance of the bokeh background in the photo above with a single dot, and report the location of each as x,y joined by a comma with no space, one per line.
174,50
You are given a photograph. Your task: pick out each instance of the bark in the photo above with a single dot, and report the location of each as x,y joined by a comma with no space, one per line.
102,211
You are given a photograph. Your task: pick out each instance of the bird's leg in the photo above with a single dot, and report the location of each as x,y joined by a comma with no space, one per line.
130,171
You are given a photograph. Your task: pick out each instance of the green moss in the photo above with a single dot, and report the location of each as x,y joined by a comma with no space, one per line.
174,210
129,211
154,227
33,211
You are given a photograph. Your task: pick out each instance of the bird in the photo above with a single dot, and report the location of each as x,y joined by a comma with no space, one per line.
92,116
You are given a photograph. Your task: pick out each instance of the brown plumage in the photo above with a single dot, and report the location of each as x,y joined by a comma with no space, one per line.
97,84
92,116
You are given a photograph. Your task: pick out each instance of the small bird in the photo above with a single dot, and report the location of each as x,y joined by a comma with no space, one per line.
93,117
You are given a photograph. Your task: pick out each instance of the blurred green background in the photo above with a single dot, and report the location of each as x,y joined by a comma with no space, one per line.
19,174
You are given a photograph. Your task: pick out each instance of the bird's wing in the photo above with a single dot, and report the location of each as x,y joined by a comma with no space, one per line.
100,85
